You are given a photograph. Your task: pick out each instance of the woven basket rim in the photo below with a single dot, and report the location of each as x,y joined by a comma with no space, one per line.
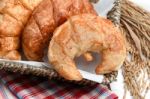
113,15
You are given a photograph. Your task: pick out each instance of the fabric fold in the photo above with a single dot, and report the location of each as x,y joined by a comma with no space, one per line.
31,87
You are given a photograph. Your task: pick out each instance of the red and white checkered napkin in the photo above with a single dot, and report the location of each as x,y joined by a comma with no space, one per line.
30,87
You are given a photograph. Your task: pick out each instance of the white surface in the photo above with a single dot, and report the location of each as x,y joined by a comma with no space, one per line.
103,6
143,3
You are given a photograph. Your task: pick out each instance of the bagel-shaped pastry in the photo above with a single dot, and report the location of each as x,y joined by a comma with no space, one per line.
86,33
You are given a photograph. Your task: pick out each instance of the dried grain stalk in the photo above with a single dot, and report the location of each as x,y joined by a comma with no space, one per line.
135,25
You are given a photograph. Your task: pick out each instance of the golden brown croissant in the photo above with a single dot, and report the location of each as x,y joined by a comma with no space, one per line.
13,16
46,17
86,33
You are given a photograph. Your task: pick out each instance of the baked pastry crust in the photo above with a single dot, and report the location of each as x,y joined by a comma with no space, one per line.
86,33
13,16
45,19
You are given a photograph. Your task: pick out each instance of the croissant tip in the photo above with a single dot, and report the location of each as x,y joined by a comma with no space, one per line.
77,77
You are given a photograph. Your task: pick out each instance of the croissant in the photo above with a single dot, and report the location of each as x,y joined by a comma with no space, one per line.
13,17
47,16
86,33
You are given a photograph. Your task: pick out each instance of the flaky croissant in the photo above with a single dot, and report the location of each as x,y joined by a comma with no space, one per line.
86,33
44,20
13,17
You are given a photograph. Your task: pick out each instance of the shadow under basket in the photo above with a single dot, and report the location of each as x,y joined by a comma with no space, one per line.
43,71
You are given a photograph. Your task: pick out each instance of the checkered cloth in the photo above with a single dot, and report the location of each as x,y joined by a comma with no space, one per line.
30,87
2,94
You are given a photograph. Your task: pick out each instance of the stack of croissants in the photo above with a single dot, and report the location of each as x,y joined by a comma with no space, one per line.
67,28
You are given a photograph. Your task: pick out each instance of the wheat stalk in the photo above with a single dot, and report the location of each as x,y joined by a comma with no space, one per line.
135,25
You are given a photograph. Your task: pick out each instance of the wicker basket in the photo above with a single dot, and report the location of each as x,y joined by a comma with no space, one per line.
44,71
